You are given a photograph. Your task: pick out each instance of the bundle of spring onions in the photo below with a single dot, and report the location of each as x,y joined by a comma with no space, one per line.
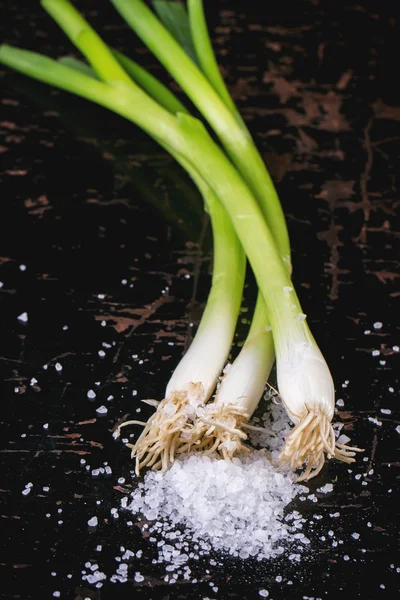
246,219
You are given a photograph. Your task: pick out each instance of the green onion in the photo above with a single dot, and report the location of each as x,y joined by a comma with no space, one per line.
195,377
305,383
221,425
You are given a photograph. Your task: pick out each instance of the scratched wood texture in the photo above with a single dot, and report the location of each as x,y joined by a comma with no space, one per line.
91,206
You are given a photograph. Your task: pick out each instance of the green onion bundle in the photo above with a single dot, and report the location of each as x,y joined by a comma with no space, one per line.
247,220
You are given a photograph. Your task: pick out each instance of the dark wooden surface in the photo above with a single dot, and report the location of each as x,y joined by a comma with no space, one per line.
88,201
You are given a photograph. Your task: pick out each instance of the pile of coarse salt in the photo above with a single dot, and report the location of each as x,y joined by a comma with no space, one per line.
235,507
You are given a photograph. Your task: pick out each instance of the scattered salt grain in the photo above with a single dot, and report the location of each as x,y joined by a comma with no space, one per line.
101,353
375,421
33,381
391,390
46,426
395,348
56,594
23,317
93,522
1,284
355,535
102,410
325,489
91,394
346,557
103,323
397,429
263,593
58,367
343,439
22,268
339,402
139,577
375,352
386,411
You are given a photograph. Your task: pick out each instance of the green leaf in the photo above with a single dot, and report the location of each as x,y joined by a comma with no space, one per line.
174,16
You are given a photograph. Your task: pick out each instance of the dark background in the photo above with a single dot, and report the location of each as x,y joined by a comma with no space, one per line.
87,200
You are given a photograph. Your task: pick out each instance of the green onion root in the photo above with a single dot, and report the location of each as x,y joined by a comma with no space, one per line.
309,442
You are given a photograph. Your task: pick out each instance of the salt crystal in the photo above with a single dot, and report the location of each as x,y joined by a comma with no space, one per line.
375,421
355,535
46,426
103,323
346,557
386,411
395,348
339,402
325,489
102,410
23,317
139,577
101,296
93,522
301,317
343,439
263,593
375,352
391,390
58,366
56,594
397,429
101,353
33,381
1,284
378,325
